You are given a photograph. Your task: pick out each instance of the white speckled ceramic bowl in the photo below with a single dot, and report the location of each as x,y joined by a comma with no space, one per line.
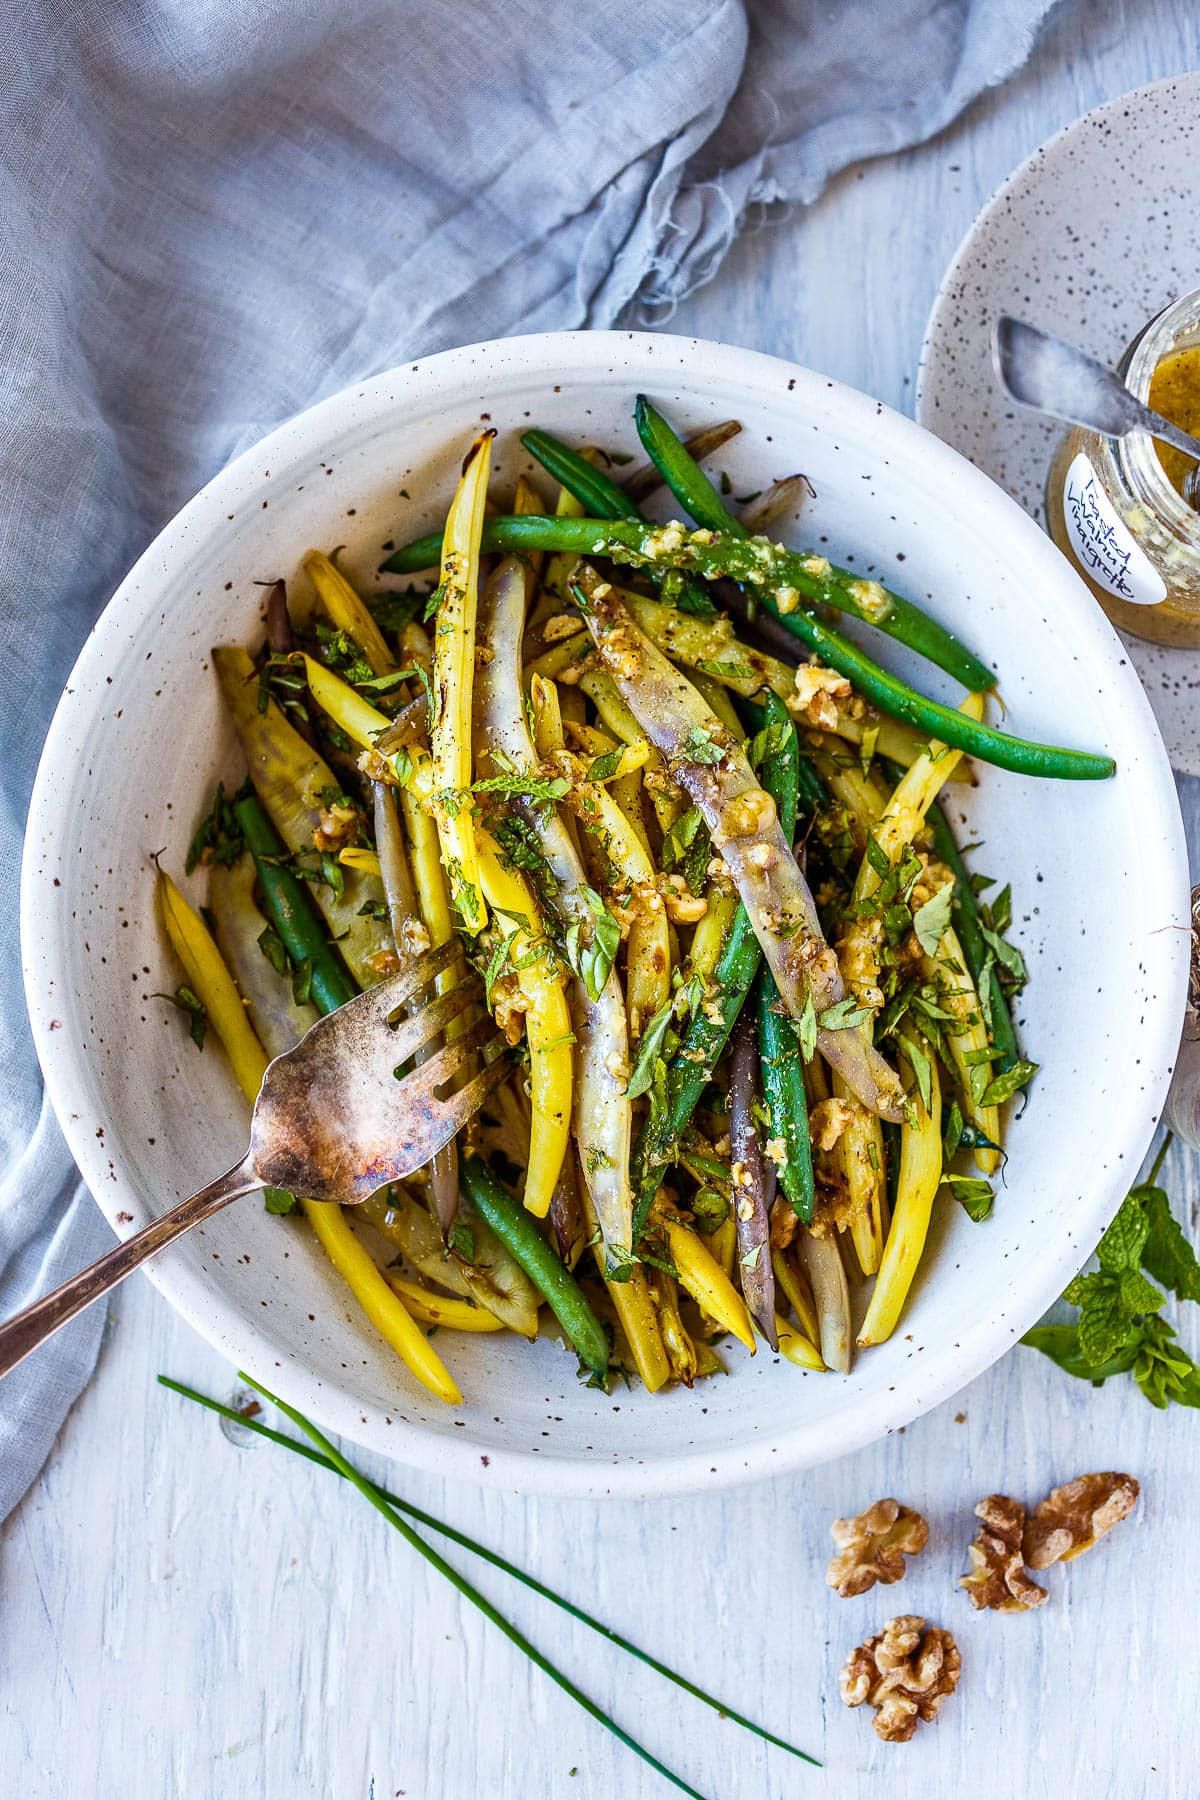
1098,871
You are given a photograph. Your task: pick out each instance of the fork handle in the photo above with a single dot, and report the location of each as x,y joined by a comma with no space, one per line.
26,1330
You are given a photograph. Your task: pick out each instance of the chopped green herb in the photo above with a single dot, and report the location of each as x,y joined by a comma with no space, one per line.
1006,1085
276,1200
194,1007
652,1047
952,1131
219,837
700,746
844,1016
687,848
921,1066
302,981
932,920
538,790
771,741
603,768
592,961
973,1193
392,612
462,1240
273,948
877,856
725,671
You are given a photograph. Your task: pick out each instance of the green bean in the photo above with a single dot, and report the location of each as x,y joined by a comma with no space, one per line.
290,909
691,1068
590,485
965,918
713,554
903,621
521,1238
943,723
783,1095
603,499
637,543
791,777
835,587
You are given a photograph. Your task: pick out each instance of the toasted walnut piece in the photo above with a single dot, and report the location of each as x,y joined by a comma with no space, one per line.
827,1121
784,1223
508,1007
337,825
905,1671
998,1581
816,695
1074,1517
873,1546
683,907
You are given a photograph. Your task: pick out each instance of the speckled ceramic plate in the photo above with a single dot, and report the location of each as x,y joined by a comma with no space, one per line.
1086,239
1098,872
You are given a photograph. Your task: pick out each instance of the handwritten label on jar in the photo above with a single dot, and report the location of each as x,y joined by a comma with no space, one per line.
1108,552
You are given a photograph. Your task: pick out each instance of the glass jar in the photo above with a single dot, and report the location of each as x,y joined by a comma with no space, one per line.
1114,506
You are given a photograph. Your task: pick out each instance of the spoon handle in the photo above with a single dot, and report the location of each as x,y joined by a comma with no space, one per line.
26,1330
1054,377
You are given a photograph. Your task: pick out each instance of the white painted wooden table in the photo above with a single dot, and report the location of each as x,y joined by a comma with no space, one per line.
182,1617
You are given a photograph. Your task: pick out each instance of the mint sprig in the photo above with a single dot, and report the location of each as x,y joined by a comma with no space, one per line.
1119,1330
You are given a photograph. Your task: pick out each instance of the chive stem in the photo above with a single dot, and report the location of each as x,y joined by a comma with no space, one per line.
495,1560
374,1497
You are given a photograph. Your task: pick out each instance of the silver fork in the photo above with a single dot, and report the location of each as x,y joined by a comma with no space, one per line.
336,1118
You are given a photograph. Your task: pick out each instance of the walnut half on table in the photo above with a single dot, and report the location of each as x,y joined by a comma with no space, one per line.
905,1672
872,1547
998,1580
1073,1518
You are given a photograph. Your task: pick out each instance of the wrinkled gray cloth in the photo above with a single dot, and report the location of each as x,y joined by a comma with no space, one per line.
214,215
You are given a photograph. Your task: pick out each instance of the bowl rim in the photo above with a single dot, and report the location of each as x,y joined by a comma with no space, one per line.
584,354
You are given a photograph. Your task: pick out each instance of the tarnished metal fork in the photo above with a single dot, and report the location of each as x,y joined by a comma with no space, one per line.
337,1118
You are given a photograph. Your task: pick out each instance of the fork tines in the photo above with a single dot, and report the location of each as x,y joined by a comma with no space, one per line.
423,1089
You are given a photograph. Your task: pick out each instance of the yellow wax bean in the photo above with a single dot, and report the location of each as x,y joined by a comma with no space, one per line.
354,857
949,972
212,985
348,612
707,1282
385,1309
920,1177
914,794
796,1346
453,685
547,1021
439,1309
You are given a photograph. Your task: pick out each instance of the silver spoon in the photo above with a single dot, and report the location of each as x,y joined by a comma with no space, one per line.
1054,377
335,1119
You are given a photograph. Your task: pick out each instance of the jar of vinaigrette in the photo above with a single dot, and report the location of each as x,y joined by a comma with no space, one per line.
1115,506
